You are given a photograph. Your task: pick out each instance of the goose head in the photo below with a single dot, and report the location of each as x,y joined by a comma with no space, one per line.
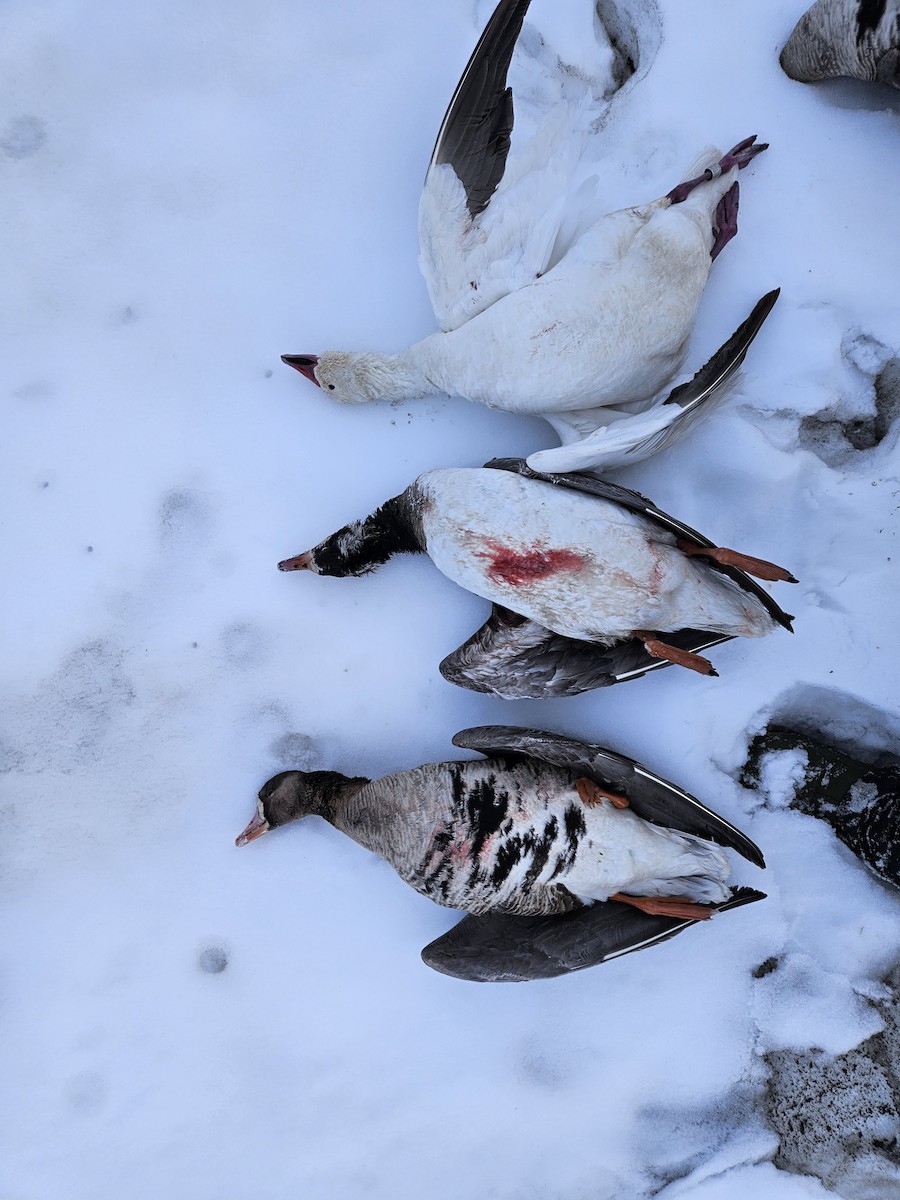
290,796
346,552
348,377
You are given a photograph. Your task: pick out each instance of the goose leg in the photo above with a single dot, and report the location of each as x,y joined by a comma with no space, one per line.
672,654
666,906
738,156
591,795
757,567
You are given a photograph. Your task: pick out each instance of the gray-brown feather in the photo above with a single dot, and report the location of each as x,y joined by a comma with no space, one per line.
461,834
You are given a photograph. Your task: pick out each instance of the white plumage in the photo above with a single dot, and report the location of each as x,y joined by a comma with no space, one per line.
542,310
584,575
579,565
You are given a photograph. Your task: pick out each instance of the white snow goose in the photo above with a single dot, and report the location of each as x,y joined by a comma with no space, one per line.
591,583
545,826
582,320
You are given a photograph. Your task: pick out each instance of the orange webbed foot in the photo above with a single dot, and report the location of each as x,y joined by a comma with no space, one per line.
591,794
672,654
760,568
667,906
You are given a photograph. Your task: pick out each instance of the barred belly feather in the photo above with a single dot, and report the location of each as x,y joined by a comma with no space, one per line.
516,836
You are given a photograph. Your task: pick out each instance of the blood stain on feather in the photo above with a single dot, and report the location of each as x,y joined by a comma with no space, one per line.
518,567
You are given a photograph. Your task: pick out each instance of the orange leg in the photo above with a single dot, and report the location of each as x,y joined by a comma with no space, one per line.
667,906
592,795
758,567
681,658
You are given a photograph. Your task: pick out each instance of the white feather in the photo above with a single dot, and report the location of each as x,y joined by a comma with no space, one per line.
580,566
546,305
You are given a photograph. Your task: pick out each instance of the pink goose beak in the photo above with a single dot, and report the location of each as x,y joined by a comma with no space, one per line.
257,827
304,363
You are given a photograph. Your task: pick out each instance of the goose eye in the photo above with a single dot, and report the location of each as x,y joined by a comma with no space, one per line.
331,387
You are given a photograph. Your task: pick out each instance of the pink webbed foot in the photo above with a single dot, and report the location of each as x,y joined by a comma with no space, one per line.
725,221
760,568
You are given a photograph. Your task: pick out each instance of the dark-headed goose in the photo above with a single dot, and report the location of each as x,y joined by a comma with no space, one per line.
584,322
546,825
591,583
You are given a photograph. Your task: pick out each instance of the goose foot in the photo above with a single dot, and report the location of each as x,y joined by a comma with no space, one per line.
591,795
725,223
758,567
672,654
738,156
666,906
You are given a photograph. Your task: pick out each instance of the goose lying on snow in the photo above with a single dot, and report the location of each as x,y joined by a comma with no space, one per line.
591,583
584,322
545,825
858,39
861,802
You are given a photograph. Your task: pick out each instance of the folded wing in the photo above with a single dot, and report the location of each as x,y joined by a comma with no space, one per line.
516,658
650,796
498,948
620,440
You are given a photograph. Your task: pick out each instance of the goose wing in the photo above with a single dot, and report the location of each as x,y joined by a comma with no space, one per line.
726,360
476,246
650,796
635,502
474,135
689,402
498,948
516,658
630,439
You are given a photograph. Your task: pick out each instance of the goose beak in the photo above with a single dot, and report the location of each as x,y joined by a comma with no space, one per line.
304,363
303,562
257,827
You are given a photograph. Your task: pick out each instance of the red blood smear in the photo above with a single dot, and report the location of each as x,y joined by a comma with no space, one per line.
518,567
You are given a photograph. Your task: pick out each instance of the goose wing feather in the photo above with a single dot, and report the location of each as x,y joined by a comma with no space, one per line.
488,226
498,948
650,796
690,401
474,134
518,659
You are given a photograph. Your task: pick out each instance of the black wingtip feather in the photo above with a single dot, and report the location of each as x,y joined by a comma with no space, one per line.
474,136
727,359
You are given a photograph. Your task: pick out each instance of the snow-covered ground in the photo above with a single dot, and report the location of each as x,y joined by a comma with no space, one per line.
190,191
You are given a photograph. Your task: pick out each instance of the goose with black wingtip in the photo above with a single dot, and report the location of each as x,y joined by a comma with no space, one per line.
582,320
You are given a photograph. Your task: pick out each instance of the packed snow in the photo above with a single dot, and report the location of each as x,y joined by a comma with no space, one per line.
190,191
